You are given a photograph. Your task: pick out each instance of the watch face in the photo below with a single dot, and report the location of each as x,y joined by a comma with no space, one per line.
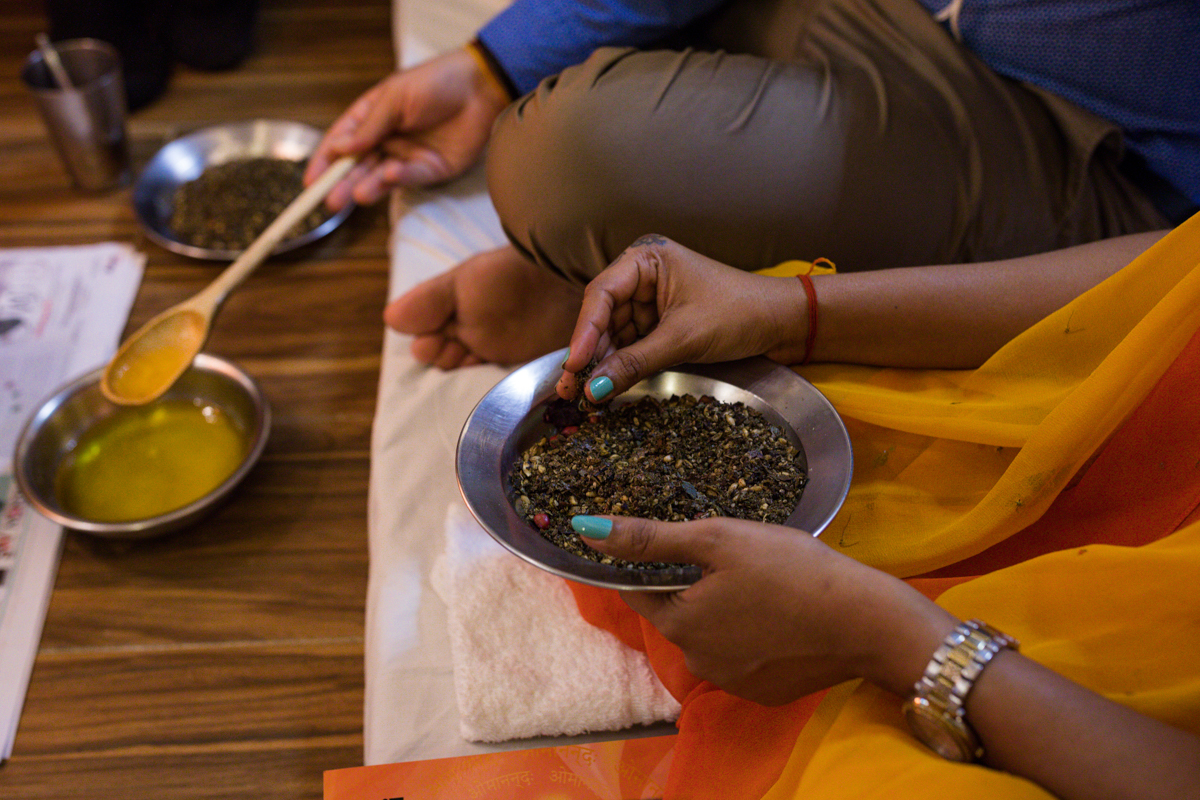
933,729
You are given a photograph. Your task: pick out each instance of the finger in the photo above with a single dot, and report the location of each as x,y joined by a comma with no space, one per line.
650,604
636,539
374,185
343,193
602,299
626,335
328,149
637,361
318,162
605,347
426,308
371,120
644,316
568,386
622,317
418,164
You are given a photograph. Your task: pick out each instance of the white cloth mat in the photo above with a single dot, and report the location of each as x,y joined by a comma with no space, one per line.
411,711
414,667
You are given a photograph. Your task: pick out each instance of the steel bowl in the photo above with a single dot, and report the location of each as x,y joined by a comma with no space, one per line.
183,159
509,419
56,427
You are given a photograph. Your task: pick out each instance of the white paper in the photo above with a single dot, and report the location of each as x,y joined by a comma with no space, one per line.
62,311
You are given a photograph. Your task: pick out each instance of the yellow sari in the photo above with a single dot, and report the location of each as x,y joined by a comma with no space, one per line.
951,463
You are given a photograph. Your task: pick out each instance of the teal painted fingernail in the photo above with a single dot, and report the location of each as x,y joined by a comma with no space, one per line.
566,358
592,527
601,387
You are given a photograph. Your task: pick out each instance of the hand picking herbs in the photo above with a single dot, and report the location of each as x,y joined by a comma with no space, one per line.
230,204
672,460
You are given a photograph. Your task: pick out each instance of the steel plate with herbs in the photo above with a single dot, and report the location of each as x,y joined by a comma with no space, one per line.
677,459
208,193
230,204
513,417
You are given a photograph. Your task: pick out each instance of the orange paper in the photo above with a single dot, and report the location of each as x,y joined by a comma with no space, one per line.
628,769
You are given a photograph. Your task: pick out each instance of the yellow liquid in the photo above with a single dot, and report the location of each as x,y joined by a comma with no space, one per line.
151,364
147,460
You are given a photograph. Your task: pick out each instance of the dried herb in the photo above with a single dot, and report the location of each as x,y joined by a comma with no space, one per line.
230,204
672,460
581,381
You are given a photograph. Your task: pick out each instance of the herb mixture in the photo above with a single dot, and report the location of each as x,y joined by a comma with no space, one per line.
672,460
230,204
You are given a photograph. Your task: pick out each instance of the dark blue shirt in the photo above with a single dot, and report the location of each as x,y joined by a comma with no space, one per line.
1133,62
535,38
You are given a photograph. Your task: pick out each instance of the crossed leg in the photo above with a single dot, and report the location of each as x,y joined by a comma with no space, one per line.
836,145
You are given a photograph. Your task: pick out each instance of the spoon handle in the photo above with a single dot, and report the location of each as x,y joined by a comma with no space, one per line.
53,62
261,247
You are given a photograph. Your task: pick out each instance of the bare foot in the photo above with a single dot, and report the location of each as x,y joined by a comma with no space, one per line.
495,306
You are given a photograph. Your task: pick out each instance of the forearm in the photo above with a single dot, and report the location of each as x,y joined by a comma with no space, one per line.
1030,720
1037,724
955,316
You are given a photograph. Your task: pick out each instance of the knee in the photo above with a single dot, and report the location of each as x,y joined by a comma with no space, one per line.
551,167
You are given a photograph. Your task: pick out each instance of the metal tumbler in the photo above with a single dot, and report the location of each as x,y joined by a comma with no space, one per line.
87,121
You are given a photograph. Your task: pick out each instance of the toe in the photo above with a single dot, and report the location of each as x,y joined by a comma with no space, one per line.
426,349
452,355
424,309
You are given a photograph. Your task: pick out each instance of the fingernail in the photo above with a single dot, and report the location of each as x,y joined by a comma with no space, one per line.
601,387
566,358
592,527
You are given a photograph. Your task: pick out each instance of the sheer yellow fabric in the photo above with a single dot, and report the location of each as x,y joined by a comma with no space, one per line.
948,463
1119,620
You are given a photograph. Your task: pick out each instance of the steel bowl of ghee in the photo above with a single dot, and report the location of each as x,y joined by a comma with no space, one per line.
140,471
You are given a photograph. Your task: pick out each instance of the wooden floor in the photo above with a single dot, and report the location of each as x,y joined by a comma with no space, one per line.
224,661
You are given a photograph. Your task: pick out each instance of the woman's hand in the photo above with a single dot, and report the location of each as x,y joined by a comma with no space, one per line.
418,127
777,614
661,304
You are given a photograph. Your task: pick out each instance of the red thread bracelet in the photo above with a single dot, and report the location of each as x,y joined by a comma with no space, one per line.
811,293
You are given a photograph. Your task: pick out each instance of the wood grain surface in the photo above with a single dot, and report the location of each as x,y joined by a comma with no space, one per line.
224,661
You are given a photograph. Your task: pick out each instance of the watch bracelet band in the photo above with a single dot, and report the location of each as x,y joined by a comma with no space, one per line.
957,664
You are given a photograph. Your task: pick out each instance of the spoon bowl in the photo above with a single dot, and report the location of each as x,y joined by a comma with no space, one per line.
153,358
149,362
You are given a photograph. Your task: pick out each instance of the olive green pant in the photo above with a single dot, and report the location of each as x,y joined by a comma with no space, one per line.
856,130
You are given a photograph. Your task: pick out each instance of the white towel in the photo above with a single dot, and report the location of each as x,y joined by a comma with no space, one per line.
525,662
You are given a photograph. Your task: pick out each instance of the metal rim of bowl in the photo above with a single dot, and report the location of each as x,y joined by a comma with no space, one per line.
147,189
163,523
486,448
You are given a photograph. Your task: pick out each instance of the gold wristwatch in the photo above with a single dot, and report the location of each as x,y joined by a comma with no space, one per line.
936,710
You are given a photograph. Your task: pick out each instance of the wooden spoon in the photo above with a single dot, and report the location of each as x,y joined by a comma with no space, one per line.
152,359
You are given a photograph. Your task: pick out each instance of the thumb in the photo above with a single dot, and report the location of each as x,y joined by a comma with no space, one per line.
659,350
635,539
